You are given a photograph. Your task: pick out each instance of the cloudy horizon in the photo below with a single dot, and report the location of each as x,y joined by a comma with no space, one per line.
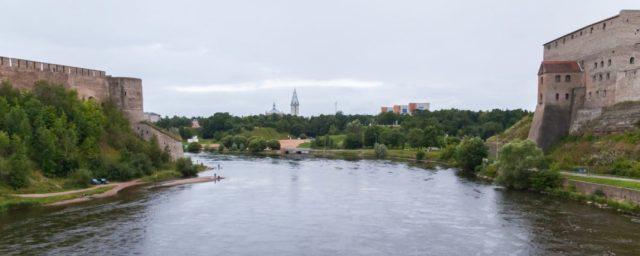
200,57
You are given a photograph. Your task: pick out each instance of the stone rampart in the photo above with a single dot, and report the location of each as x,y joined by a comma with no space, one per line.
165,140
610,192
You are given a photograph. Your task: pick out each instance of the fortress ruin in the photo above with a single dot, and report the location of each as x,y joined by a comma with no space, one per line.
588,81
125,92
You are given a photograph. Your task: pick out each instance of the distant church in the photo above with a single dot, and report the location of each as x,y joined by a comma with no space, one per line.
295,106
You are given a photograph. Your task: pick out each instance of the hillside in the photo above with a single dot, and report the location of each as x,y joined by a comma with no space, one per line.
615,154
51,138
520,130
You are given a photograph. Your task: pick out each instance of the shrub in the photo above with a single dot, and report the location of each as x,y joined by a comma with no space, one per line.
516,162
257,145
186,167
420,155
273,144
120,171
194,147
18,175
80,178
380,150
353,141
448,152
221,148
470,152
545,179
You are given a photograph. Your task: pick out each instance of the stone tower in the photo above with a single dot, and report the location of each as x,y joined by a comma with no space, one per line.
584,76
295,105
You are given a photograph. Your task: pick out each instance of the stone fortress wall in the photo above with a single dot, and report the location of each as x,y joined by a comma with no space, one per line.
606,54
125,92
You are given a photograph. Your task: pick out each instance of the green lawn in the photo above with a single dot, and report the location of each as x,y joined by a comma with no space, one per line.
604,181
265,133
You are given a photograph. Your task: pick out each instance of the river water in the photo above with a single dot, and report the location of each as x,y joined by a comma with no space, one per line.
271,206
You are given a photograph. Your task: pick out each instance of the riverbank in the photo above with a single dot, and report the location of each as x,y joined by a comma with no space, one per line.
83,195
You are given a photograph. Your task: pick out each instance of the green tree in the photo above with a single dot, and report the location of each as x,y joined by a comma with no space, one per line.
380,150
194,147
414,137
517,161
470,152
19,169
257,145
273,144
432,136
186,167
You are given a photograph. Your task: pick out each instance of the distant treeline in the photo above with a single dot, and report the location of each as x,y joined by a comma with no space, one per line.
451,122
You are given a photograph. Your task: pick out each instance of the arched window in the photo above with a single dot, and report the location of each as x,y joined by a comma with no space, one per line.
604,26
608,76
595,65
566,96
609,62
558,78
602,63
632,60
557,96
600,77
589,95
567,78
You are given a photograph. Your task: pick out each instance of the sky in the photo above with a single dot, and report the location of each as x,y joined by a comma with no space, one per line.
196,58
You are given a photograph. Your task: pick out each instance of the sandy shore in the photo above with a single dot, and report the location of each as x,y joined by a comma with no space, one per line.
187,181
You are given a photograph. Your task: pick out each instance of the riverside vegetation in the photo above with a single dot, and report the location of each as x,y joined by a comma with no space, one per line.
50,141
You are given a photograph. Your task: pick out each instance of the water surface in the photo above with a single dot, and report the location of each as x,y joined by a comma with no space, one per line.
270,206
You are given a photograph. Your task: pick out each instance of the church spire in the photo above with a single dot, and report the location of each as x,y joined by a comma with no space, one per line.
295,104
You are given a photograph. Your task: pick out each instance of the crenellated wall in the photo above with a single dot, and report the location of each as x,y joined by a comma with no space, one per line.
125,92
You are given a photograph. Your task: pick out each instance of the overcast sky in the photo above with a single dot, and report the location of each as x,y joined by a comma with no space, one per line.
201,57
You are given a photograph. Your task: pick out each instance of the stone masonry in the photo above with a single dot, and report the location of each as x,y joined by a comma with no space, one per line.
583,74
125,92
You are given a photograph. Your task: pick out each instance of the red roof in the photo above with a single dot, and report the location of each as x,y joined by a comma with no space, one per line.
559,67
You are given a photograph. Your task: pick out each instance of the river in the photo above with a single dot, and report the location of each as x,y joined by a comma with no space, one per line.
272,206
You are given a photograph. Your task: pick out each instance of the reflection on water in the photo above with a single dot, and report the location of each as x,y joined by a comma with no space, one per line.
270,206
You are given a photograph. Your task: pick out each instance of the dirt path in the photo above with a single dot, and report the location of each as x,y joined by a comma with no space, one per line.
111,192
600,176
123,185
62,193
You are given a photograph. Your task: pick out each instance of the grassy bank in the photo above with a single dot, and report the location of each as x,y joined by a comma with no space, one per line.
604,181
8,202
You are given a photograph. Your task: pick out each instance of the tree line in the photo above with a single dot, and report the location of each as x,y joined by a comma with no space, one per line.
416,128
50,130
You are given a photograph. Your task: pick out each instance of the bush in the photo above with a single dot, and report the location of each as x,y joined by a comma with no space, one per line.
545,179
516,162
186,167
420,155
221,148
194,147
448,152
120,171
19,166
470,152
273,144
257,145
380,150
353,141
80,178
